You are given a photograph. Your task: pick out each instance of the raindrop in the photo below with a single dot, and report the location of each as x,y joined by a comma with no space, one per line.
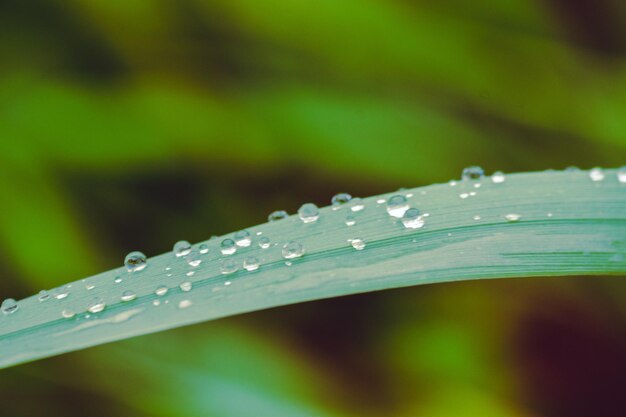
135,261
397,206
498,177
61,292
621,175
182,248
477,217
128,296
358,244
189,274
381,201
512,217
43,295
228,247
251,263
9,306
203,248
186,286
308,213
96,305
350,221
194,262
89,286
277,215
596,174
156,303
341,198
228,266
242,238
412,219
264,242
473,173
357,205
161,291
463,195
184,304
67,313
293,250
117,280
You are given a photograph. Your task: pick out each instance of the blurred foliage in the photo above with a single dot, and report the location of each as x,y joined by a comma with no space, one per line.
128,125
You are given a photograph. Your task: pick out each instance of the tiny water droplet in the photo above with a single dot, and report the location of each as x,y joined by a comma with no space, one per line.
203,248
251,263
498,177
357,244
117,280
67,313
194,262
277,215
341,198
350,220
128,296
473,173
463,195
43,295
596,174
89,286
412,219
264,242
184,304
357,205
308,213
135,261
381,201
477,217
228,247
186,286
161,291
512,217
397,206
292,250
621,175
189,274
182,248
96,305
61,292
156,303
9,306
452,183
228,266
242,238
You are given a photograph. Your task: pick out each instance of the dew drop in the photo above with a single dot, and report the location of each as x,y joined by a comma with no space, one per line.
264,242
397,206
9,306
381,201
512,217
161,291
292,250
621,175
89,286
473,173
228,247
189,274
277,215
203,248
194,262
596,174
339,199
135,261
357,244
412,219
498,177
228,266
182,248
96,305
186,286
43,295
357,205
128,296
251,263
61,292
350,221
184,304
156,303
308,213
242,238
67,313
117,280
477,217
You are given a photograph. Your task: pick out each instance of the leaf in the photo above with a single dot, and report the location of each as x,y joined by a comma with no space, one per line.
533,224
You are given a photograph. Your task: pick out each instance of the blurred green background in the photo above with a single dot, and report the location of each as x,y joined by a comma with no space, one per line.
132,124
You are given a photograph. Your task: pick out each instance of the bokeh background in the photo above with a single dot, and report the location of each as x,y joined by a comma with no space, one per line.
132,124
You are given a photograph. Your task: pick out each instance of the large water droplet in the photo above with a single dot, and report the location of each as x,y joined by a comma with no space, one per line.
357,243
412,219
135,261
264,242
397,206
293,250
96,305
9,306
308,213
473,173
498,177
512,217
621,175
341,198
251,263
228,266
242,238
596,174
161,291
228,247
182,248
186,286
128,296
277,215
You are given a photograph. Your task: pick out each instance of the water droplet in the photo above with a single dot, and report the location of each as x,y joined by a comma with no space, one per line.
43,295
186,286
358,244
477,217
156,303
473,173
89,286
9,306
128,296
621,175
161,291
463,195
264,242
381,201
67,313
498,177
277,215
203,248
135,261
308,213
96,305
512,217
412,219
341,198
251,263
228,266
182,248
61,292
242,238
117,280
397,206
357,205
228,247
350,221
194,262
189,274
293,250
596,174
452,183
184,304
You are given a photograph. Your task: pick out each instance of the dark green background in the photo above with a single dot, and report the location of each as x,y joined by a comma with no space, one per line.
132,124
